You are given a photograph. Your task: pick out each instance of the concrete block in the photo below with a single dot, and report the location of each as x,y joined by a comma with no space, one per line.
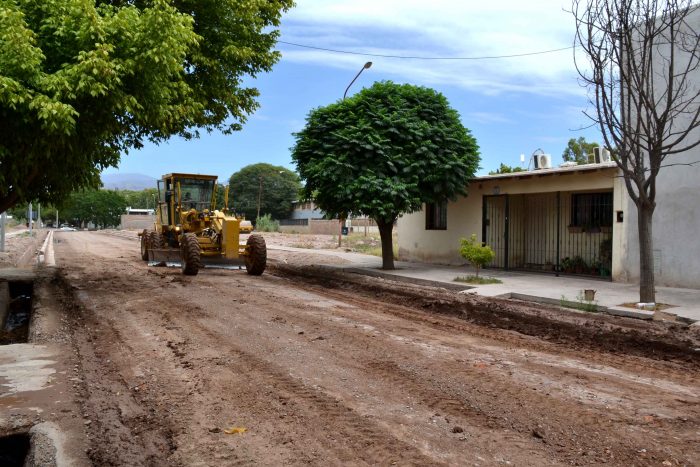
630,312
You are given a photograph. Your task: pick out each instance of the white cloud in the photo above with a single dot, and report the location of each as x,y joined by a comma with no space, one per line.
446,28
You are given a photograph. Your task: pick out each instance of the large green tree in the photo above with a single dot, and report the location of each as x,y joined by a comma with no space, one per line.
144,199
577,150
83,81
100,207
385,152
269,189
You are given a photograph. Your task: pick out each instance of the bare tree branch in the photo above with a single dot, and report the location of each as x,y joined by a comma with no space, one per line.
642,59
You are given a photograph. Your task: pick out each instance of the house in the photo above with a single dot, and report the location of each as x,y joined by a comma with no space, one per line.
305,210
572,219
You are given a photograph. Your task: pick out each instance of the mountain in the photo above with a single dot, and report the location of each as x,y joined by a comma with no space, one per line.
128,181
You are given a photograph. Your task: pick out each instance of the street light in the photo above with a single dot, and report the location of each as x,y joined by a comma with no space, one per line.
367,65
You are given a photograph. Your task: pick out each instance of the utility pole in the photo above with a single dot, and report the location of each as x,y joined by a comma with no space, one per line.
260,177
38,215
31,214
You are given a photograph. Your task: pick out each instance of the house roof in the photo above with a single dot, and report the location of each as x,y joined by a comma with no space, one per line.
552,171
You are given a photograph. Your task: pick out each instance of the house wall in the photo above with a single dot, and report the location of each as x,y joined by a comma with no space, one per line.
137,222
676,220
676,223
464,216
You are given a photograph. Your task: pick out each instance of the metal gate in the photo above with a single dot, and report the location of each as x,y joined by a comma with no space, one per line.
553,232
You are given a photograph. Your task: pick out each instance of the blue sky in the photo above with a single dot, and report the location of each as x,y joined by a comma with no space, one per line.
512,106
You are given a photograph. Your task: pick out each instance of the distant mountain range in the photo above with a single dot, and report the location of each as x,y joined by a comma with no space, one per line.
136,182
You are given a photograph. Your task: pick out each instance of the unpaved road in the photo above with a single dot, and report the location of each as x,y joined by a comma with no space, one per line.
322,373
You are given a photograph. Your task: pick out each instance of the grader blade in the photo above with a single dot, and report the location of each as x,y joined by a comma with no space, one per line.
164,257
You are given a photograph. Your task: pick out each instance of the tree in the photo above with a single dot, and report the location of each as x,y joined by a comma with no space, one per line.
384,152
641,69
101,207
477,254
144,199
271,187
506,169
577,150
82,82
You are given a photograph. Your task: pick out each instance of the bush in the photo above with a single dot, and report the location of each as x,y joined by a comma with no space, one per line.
266,224
476,253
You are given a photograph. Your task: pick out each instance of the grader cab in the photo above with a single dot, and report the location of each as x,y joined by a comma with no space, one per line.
191,232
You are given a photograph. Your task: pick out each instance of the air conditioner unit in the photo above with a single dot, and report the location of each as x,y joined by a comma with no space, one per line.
542,161
601,155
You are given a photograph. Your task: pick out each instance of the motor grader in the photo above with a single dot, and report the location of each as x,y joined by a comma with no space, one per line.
189,230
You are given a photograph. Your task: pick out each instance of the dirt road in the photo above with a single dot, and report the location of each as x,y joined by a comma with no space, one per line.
323,373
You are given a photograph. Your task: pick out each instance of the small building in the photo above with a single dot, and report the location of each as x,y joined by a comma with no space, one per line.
570,220
137,219
305,210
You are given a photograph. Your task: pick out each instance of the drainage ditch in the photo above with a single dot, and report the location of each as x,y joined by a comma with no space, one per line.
15,311
14,449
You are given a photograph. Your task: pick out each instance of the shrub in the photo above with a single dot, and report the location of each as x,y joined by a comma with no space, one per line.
476,253
266,224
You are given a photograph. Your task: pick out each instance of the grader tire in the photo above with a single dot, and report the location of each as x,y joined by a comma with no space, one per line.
156,240
256,259
191,254
144,245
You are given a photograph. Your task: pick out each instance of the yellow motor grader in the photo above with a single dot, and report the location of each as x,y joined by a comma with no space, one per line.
189,230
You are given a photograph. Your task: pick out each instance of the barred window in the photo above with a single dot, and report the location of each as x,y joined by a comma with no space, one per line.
591,209
436,216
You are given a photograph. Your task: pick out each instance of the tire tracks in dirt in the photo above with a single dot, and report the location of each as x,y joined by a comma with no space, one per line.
220,348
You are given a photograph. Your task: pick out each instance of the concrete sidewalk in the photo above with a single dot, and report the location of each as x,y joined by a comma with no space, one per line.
539,287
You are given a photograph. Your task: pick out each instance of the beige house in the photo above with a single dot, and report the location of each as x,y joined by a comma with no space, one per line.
568,220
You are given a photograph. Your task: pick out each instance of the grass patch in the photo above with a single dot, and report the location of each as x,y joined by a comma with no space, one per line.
477,280
581,304
369,245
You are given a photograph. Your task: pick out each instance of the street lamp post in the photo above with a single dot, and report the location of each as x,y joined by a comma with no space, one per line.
342,219
366,66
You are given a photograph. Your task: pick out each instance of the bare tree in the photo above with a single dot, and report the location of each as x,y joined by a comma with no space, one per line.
640,69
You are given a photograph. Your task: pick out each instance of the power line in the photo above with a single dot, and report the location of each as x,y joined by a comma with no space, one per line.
487,57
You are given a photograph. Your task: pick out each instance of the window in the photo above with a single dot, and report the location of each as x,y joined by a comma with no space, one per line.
436,216
591,210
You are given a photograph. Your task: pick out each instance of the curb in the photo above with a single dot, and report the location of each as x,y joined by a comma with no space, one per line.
407,279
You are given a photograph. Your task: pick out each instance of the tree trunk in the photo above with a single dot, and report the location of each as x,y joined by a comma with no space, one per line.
385,230
646,254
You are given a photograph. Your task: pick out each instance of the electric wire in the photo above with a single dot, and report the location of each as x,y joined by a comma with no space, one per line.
418,57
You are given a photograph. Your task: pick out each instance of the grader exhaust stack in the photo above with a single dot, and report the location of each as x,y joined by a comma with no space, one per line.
189,231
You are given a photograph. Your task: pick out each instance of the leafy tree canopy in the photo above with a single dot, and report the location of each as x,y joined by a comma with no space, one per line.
277,187
143,199
82,81
100,207
506,169
577,150
384,152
